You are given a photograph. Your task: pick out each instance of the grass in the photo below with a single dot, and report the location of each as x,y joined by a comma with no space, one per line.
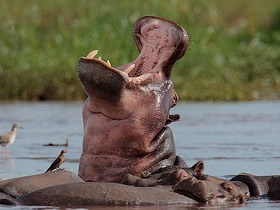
234,54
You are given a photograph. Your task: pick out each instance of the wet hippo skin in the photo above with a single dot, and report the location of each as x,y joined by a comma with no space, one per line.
23,185
101,193
127,111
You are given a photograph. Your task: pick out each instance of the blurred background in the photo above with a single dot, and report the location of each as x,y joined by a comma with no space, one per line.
234,53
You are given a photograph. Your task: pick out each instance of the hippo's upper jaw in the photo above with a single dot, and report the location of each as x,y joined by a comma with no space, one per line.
161,43
128,106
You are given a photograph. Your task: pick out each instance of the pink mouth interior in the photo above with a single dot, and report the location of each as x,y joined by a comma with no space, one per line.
161,44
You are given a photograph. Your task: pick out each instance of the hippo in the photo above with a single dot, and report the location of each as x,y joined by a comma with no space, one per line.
169,175
100,194
194,184
127,110
274,188
18,186
258,185
205,191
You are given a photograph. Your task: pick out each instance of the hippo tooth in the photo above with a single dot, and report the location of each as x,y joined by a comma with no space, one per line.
92,54
99,58
128,69
108,62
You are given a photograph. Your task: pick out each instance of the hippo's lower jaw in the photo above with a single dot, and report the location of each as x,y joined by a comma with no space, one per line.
128,107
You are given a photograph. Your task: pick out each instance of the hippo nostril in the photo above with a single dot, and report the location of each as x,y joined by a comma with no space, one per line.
221,196
242,199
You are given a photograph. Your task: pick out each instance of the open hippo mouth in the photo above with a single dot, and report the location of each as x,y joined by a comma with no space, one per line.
160,42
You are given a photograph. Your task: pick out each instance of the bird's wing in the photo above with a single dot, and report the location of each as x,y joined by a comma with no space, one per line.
5,138
56,163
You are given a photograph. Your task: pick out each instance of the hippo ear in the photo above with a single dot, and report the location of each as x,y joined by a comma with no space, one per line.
100,80
198,168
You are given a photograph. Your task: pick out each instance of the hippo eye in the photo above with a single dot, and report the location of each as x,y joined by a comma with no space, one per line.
227,187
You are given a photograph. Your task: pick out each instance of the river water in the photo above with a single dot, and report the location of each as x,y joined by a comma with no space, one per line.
229,137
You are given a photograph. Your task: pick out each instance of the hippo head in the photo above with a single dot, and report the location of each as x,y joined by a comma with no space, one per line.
128,106
161,44
205,191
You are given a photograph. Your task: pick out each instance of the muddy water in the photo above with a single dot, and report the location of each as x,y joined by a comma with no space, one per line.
229,137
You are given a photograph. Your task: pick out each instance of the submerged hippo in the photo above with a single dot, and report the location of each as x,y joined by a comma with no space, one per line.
169,175
48,189
205,191
127,109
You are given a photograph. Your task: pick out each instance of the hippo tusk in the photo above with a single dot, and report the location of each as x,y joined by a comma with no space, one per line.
92,54
108,62
128,69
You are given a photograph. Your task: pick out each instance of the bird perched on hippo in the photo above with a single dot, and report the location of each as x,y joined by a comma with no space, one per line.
58,161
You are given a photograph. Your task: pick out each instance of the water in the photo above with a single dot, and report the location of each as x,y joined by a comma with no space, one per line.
42,123
229,137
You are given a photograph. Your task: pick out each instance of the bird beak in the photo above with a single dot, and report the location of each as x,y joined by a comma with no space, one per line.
20,127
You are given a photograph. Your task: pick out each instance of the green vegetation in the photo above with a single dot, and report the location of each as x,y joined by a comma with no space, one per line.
234,54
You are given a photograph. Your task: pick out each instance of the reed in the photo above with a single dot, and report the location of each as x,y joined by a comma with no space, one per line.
234,54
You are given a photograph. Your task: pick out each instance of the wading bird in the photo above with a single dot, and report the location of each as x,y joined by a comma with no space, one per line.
8,138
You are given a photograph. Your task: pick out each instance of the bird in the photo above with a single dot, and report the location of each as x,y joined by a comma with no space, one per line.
8,138
58,161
